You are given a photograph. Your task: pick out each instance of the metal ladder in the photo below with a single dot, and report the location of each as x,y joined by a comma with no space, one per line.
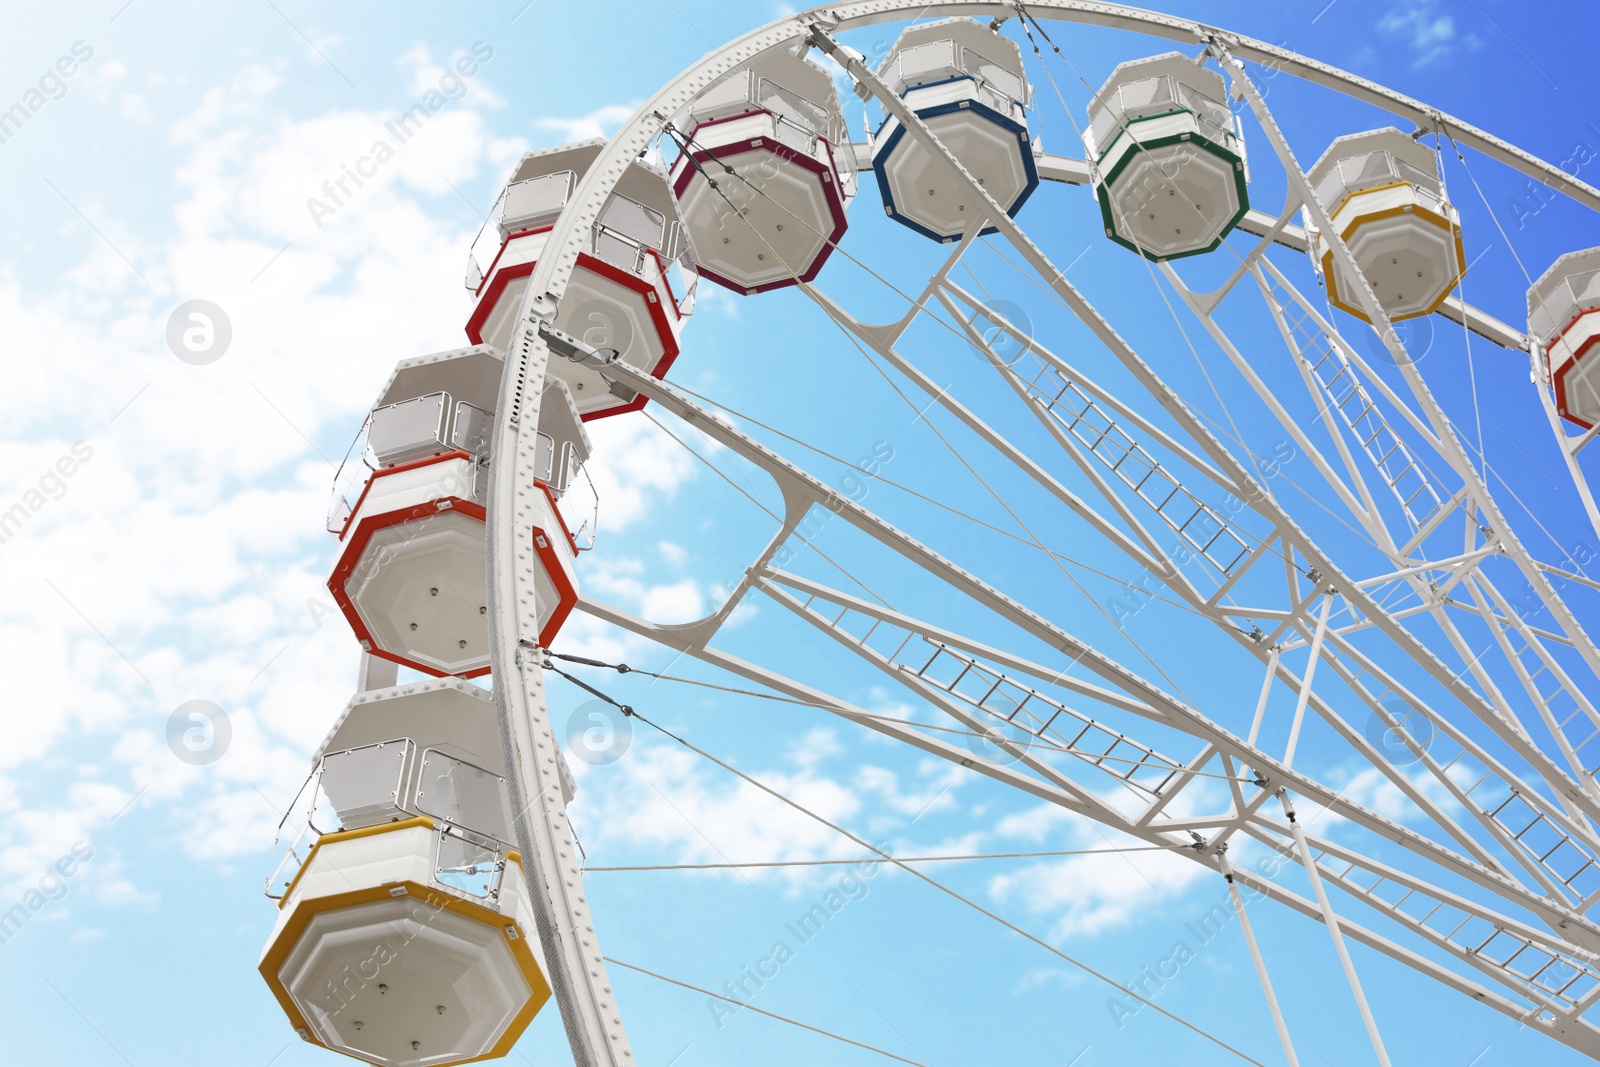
1343,391
1204,528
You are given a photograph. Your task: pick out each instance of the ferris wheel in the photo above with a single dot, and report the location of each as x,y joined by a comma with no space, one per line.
431,895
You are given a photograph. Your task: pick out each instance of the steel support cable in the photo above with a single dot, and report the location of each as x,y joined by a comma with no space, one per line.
1466,331
762,1011
1242,444
831,244
687,144
1458,456
998,499
1035,742
1331,921
634,376
1440,666
662,390
1202,415
1235,436
1512,249
1492,215
1124,126
880,859
1170,181
1534,518
1248,581
554,269
856,66
770,513
1416,419
684,141
943,506
914,303
1248,930
1217,427
980,909
1136,645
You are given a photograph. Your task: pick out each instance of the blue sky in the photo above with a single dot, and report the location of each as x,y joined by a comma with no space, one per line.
184,559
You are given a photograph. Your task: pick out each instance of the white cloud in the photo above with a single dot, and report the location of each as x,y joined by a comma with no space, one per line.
1093,894
636,465
189,539
135,108
663,804
1432,36
1108,888
663,801
601,122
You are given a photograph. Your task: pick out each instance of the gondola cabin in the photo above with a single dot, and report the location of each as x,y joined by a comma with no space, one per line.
1564,318
404,935
411,575
966,83
765,174
620,295
1168,159
1383,195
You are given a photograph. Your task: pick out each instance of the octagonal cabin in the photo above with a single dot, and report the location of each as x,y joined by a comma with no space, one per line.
1168,157
411,575
774,220
1382,193
1564,317
966,83
620,295
405,936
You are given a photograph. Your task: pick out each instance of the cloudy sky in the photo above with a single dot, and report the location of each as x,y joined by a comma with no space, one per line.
169,546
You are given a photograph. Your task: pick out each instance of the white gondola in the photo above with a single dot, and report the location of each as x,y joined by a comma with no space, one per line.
411,572
1382,193
405,936
1167,156
773,221
1564,318
621,295
966,83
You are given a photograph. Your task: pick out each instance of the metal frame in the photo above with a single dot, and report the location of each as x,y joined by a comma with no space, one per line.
1532,815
